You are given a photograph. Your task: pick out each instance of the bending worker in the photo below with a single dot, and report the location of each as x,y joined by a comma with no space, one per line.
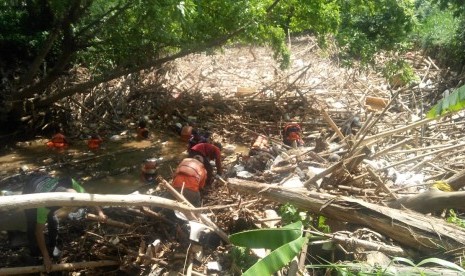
208,152
189,179
37,218
58,141
292,135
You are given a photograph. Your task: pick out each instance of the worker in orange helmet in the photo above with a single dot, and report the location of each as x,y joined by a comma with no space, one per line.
292,135
189,179
94,142
58,141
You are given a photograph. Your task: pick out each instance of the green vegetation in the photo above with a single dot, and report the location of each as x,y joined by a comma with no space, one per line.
241,258
440,31
285,243
453,218
434,261
416,269
367,27
41,41
399,73
453,102
290,214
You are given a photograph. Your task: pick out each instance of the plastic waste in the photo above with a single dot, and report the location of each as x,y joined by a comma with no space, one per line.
80,214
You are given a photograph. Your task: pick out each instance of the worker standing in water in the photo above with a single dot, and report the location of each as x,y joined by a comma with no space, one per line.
142,131
149,170
58,141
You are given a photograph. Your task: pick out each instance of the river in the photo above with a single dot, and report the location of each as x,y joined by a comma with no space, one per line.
115,168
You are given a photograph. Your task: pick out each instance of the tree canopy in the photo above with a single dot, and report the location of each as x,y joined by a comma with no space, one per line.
42,40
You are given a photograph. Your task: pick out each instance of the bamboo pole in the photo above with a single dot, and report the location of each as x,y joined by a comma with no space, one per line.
56,267
392,131
388,149
83,199
331,123
202,217
421,156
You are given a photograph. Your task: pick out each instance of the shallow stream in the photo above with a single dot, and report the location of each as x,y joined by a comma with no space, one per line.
115,168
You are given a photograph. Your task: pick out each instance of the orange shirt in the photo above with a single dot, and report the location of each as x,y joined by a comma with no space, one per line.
186,133
94,143
58,141
210,151
142,133
191,174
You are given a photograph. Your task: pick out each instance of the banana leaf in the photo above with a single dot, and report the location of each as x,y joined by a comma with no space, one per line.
269,238
442,263
453,102
277,258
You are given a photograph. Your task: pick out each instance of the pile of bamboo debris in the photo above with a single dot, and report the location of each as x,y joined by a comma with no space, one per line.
375,183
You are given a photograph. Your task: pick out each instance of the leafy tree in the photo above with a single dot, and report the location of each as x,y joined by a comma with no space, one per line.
368,27
42,40
442,31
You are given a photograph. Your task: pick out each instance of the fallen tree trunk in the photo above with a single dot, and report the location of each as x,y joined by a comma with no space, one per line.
28,201
417,231
55,267
435,200
430,201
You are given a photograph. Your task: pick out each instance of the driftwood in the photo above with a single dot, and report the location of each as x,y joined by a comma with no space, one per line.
108,221
82,199
56,267
367,245
430,201
423,233
435,200
457,181
207,221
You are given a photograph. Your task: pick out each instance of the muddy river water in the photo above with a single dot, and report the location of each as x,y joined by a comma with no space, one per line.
115,168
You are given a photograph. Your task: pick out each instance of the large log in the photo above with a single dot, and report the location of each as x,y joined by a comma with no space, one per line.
56,267
435,200
77,199
426,234
430,201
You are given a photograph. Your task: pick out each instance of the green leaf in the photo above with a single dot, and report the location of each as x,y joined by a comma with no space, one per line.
277,258
270,238
404,260
442,263
454,102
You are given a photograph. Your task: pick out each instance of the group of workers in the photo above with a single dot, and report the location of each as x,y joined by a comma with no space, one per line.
191,176
59,142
